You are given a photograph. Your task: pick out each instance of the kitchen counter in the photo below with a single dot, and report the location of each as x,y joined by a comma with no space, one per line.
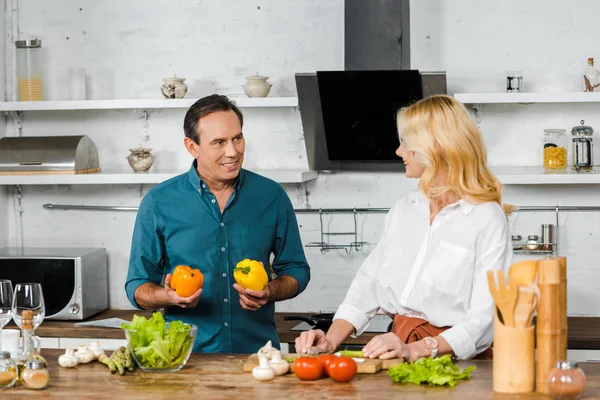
583,332
213,376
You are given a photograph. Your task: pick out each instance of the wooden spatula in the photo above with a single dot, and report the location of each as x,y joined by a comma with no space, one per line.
528,299
504,295
523,273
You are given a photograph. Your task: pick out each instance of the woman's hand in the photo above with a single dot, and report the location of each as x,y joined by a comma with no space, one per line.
387,346
314,338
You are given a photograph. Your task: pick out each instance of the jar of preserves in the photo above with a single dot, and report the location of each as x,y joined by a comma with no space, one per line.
555,148
566,381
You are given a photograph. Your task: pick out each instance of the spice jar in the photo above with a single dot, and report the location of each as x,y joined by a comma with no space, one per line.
516,242
555,148
8,370
30,81
532,242
566,381
35,375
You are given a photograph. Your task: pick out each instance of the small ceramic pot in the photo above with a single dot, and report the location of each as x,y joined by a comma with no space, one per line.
257,86
140,159
174,88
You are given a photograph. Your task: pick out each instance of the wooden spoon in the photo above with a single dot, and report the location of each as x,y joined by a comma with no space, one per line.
523,273
504,295
528,299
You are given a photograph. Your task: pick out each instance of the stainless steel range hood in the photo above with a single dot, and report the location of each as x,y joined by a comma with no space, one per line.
48,155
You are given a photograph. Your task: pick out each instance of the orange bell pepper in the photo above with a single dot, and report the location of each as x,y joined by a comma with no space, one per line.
250,274
185,281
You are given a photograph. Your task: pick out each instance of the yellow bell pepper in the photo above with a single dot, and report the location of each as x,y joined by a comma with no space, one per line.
250,274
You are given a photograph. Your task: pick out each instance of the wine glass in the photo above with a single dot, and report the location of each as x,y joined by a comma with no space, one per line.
6,298
28,297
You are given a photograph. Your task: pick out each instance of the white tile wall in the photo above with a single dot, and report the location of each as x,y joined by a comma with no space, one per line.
215,43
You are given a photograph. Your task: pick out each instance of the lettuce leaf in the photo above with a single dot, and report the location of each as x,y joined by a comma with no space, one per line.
433,371
153,345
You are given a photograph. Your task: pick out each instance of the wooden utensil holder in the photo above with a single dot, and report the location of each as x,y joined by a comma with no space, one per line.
513,365
551,322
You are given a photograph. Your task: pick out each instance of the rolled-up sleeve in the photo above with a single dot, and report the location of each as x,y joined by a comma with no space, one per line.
360,303
289,254
474,334
146,249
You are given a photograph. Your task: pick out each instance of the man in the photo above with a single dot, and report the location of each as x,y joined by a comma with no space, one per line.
210,218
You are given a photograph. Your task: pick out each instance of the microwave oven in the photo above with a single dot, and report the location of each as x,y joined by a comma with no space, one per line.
74,280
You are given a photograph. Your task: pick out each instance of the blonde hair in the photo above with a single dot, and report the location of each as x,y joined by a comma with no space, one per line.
442,135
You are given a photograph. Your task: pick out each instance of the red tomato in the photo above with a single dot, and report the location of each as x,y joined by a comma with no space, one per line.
308,368
342,369
325,359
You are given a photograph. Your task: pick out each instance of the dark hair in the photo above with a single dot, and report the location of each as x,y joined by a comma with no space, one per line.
203,107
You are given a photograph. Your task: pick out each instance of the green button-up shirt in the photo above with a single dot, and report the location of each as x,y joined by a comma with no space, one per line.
179,222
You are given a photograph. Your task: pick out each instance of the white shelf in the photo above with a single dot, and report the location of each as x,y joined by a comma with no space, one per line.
242,102
526,98
539,176
117,178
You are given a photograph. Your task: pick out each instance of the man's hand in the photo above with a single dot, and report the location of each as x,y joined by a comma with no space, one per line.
252,300
177,300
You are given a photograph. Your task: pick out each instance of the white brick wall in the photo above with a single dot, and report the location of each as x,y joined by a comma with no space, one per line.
215,43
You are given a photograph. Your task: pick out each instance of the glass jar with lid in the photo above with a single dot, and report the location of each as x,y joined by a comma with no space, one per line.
555,148
30,83
583,147
35,375
566,381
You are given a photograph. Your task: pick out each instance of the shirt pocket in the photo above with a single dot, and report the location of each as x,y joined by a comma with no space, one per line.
449,268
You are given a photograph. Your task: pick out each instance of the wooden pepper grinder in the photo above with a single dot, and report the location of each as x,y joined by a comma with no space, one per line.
551,330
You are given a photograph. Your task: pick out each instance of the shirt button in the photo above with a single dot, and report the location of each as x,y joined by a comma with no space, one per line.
225,324
226,300
204,186
222,224
213,200
224,274
222,248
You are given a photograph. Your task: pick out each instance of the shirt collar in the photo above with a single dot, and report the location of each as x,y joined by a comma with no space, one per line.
465,206
201,187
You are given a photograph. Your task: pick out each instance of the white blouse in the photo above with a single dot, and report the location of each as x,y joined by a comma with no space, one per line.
436,272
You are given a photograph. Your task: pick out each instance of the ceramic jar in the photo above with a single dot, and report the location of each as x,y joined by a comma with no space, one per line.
174,88
257,86
140,159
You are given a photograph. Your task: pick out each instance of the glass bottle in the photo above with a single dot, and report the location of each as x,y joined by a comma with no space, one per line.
35,375
30,350
30,82
591,77
8,370
566,381
555,149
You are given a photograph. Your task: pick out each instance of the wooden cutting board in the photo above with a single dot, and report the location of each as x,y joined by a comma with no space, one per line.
367,367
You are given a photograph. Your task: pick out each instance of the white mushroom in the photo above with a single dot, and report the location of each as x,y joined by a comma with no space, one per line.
95,348
84,355
68,360
280,366
263,372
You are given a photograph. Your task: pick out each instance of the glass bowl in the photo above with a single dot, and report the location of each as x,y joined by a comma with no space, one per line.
149,360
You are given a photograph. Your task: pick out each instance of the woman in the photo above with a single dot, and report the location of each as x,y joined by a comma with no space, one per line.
430,266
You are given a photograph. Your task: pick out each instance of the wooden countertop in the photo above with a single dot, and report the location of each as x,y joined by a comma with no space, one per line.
216,376
583,332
